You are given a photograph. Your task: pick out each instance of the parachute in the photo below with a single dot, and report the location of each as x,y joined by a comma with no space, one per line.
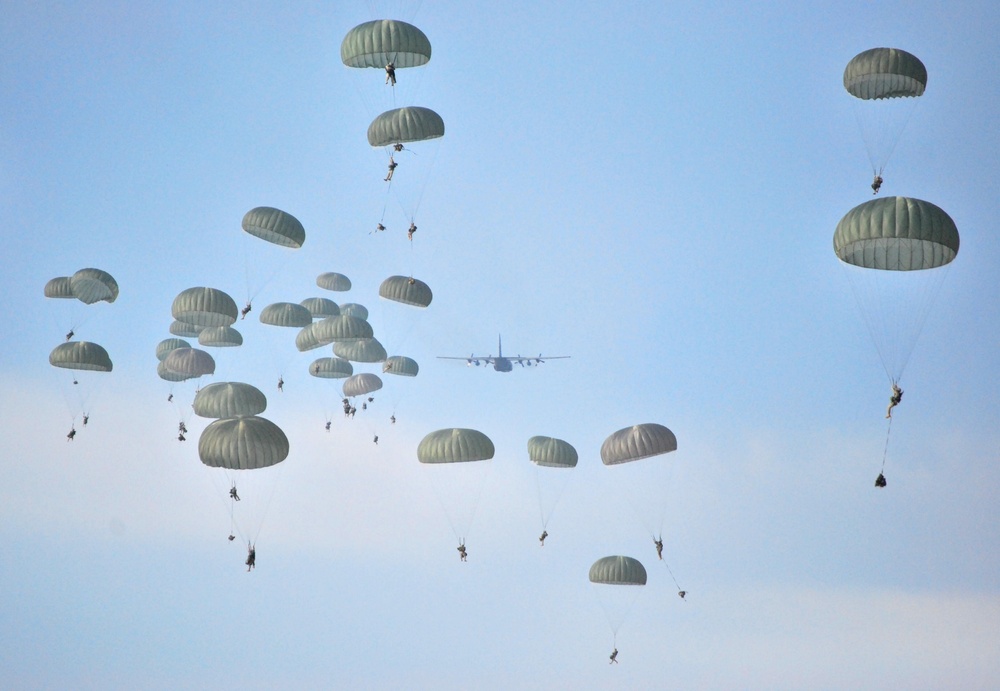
404,125
361,384
331,368
400,365
408,291
362,350
189,363
59,287
549,454
333,281
320,308
81,355
341,328
274,226
637,442
164,347
379,42
93,285
615,579
229,399
220,337
286,314
894,250
188,330
455,445
204,307
353,309
886,83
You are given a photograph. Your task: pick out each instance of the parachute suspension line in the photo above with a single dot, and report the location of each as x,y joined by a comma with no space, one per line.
672,577
885,451
427,177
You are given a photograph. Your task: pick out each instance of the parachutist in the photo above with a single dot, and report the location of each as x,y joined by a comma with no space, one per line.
170,398
659,547
379,228
86,419
231,537
233,495
392,419
390,73
410,231
70,334
181,427
75,382
251,557
545,534
682,593
181,437
245,311
880,480
364,406
376,440
327,425
614,657
897,396
72,433
392,169
371,398
397,147
281,384
876,184
462,553
411,281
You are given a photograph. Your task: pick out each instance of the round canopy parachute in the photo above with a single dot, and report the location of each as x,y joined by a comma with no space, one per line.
220,337
552,453
401,365
320,308
179,328
81,355
286,314
243,443
331,368
455,445
361,384
896,234
409,291
274,226
353,309
204,307
306,339
229,399
341,328
379,42
885,73
637,442
164,347
895,251
333,281
410,124
93,285
189,362
363,350
59,287
618,570
168,375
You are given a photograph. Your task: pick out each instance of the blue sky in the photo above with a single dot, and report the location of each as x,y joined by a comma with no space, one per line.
651,189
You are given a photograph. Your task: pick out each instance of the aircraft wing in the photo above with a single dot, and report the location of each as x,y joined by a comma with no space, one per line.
471,360
536,360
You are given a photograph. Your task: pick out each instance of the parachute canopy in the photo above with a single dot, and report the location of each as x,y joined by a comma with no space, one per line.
164,347
361,384
896,234
274,226
341,328
81,355
637,442
93,285
204,307
401,125
401,365
189,362
377,43
552,453
220,337
885,73
333,281
618,570
362,350
168,375
286,314
229,399
331,368
455,445
242,443
320,308
409,291
59,287
179,328
353,309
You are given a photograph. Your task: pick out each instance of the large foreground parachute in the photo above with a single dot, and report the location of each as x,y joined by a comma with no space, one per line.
81,355
886,83
202,306
404,125
552,458
229,399
275,226
893,250
615,579
377,43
